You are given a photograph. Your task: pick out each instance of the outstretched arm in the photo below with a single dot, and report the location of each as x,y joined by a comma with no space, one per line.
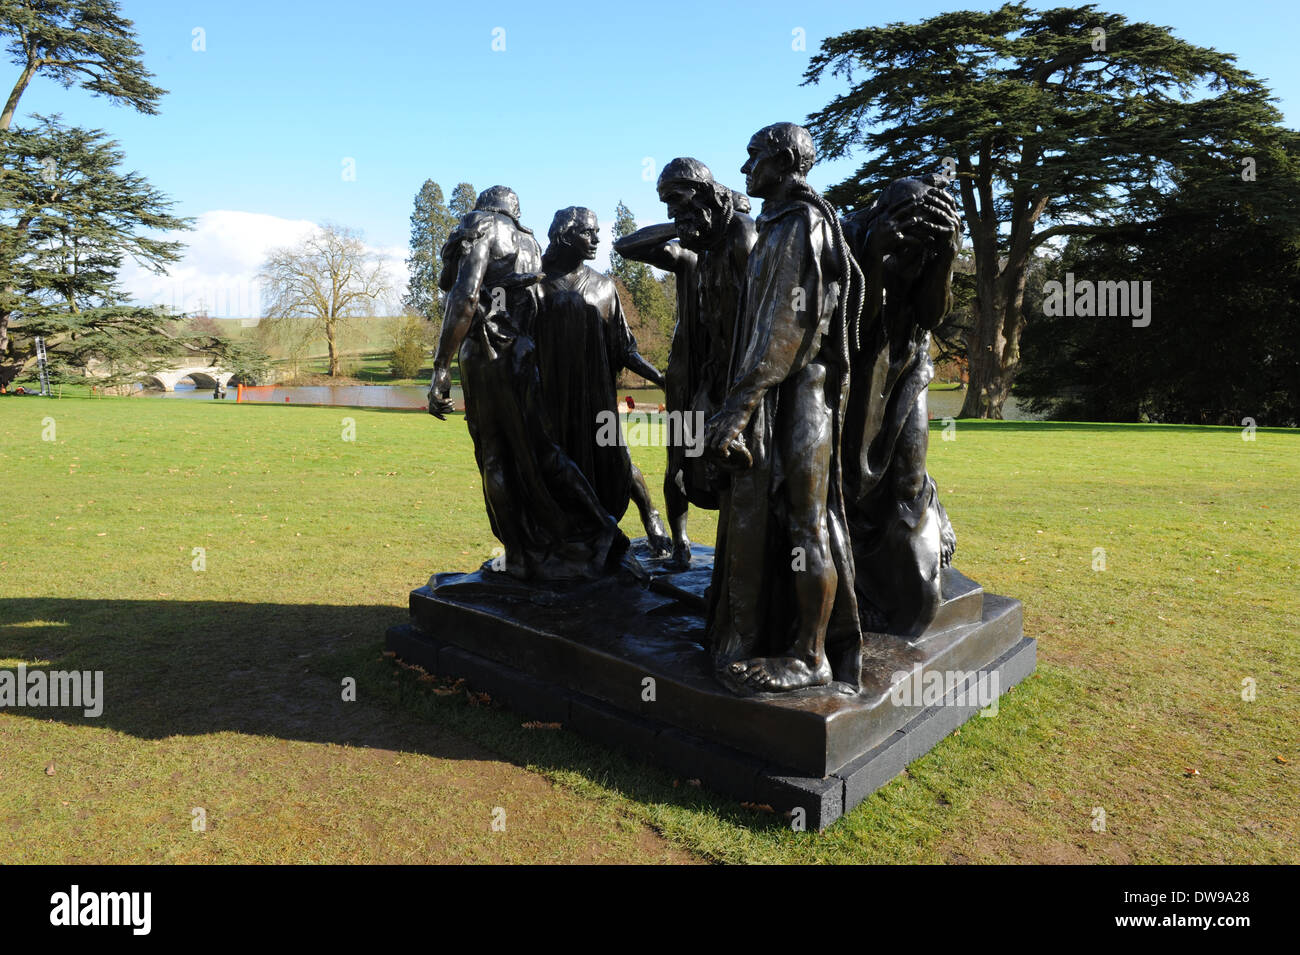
462,303
636,364
655,245
631,357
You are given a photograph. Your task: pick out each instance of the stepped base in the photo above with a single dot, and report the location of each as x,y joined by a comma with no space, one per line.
621,663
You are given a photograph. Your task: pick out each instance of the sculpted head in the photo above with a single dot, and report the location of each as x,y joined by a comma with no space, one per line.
498,199
696,202
577,228
779,155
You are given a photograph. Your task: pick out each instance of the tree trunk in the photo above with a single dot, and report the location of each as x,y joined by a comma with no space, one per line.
993,344
331,338
11,370
11,105
8,371
12,366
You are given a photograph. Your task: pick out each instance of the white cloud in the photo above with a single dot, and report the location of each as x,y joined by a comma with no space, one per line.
223,253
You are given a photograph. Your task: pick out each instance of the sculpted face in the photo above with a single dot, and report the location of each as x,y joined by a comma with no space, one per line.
765,167
584,235
691,208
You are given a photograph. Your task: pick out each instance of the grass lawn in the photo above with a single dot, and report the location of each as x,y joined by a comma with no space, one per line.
223,686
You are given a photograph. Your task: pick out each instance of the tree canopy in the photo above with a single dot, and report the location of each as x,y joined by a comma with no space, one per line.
70,215
462,201
653,309
1059,122
431,224
86,42
1223,345
322,282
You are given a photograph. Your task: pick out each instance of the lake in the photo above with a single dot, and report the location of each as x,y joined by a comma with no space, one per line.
943,404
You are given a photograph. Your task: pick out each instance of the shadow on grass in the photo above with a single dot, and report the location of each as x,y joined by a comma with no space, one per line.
179,668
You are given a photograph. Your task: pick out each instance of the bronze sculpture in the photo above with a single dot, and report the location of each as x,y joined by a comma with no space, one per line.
706,246
783,612
583,342
906,242
766,666
540,505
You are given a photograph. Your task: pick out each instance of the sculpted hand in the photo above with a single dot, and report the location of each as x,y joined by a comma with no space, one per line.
913,228
440,403
722,439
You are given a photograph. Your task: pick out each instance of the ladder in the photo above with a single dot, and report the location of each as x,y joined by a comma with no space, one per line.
42,365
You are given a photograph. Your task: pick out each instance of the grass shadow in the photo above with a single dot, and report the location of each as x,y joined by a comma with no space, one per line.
178,668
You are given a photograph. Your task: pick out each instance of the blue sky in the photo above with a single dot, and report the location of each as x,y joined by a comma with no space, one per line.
582,107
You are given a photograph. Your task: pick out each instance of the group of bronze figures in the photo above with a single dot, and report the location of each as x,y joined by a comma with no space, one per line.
802,344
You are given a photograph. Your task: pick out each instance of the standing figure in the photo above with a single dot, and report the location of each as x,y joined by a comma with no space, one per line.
906,243
783,613
707,246
541,507
583,342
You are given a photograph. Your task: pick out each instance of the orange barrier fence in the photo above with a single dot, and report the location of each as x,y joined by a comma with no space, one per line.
254,393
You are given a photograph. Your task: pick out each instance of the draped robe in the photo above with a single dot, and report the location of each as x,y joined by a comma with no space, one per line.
789,370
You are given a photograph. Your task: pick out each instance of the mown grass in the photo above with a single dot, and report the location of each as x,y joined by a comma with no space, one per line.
223,686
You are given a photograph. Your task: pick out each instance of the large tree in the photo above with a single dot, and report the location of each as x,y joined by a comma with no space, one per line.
68,215
431,224
632,274
321,283
1058,122
86,42
1223,343
654,300
462,201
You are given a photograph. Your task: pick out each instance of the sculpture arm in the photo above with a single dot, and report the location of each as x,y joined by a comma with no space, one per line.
630,357
462,303
637,364
655,245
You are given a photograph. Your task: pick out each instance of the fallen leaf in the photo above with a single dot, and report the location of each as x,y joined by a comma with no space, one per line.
49,770
1191,772
1282,759
539,725
757,806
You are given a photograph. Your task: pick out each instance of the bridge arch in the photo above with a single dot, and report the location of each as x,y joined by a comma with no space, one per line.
204,378
203,381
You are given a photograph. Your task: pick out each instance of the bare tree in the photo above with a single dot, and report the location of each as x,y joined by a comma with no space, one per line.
327,279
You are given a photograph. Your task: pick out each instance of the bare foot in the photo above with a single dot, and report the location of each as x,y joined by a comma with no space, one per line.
681,559
660,547
778,674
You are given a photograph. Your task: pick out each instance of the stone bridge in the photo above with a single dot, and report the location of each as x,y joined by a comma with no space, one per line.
204,377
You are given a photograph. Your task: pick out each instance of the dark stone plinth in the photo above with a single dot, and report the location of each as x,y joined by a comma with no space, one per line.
620,663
